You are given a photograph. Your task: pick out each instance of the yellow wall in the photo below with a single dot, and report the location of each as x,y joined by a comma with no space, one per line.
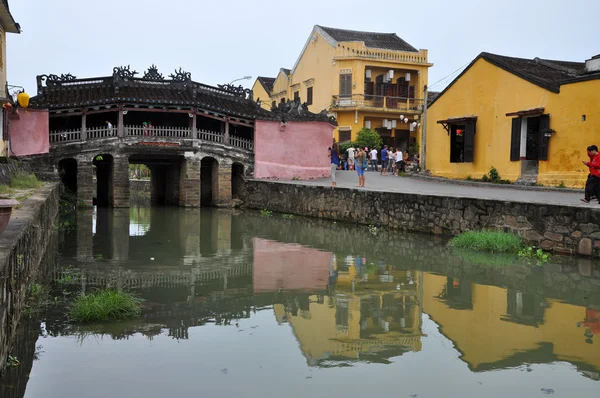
489,92
280,88
484,338
259,93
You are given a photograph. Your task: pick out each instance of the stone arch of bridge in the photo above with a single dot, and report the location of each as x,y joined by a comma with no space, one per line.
103,165
209,181
67,170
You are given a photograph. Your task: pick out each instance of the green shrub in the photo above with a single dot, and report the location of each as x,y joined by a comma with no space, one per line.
105,305
368,138
531,253
24,180
266,213
490,241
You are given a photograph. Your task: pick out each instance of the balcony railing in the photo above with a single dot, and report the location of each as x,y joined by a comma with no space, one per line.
97,133
345,52
375,102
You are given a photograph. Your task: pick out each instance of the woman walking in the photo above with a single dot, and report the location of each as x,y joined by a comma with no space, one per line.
334,154
360,159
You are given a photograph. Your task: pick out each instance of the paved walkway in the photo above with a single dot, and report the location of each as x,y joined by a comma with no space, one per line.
376,182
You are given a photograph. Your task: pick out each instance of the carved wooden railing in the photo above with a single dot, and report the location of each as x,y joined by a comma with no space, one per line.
377,102
98,133
65,136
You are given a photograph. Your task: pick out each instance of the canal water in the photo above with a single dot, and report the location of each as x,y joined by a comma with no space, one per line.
259,305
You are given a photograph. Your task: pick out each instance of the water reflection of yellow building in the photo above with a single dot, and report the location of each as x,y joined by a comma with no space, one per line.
368,316
494,327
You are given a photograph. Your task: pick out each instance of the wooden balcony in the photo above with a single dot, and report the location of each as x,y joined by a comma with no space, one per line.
377,103
357,51
103,133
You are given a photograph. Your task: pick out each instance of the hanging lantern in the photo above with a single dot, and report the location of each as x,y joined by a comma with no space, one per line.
23,99
459,132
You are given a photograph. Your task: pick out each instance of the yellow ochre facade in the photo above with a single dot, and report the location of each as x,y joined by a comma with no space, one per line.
364,79
530,119
7,25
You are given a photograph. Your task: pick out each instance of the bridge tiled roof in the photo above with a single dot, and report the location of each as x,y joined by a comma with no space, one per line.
67,92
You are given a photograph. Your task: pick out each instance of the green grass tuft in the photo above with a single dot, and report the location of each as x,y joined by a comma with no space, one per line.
5,189
23,180
489,241
105,305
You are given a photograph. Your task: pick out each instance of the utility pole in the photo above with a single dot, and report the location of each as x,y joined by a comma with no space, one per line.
424,133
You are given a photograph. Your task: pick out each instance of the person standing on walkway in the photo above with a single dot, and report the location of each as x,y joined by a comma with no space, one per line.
399,161
351,152
384,161
334,155
592,186
360,159
374,159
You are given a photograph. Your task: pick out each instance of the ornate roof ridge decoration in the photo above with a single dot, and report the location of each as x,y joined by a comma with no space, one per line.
294,110
52,80
180,75
152,73
238,91
124,72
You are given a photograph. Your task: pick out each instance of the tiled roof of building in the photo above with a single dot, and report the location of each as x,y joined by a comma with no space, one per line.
67,92
545,73
267,83
386,41
286,71
431,96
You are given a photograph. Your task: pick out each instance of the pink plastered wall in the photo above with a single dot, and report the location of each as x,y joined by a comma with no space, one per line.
29,132
297,150
288,267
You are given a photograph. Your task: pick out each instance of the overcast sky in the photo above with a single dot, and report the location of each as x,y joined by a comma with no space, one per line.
218,41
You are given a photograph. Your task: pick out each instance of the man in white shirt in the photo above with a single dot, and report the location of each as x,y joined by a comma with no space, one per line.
351,151
399,162
374,159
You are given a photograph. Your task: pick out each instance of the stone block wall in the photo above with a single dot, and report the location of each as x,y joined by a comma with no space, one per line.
224,185
22,248
8,169
120,180
190,183
561,229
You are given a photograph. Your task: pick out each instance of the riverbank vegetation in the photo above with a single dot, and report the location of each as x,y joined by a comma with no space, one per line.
498,242
105,305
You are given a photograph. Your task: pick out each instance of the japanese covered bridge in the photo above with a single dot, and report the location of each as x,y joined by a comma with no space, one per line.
197,140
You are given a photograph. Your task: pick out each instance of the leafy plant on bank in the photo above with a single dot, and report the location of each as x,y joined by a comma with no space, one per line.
12,362
266,213
105,305
373,230
287,216
531,253
492,176
498,242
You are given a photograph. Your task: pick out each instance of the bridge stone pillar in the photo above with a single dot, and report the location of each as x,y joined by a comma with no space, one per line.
189,182
224,198
85,181
120,181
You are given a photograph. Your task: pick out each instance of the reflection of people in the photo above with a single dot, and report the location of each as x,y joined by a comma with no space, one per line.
591,324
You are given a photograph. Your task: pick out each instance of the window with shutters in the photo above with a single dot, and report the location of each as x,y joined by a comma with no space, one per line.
462,142
309,96
346,85
296,95
345,135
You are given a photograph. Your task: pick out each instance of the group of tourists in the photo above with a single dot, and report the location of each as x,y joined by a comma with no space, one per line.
392,160
592,186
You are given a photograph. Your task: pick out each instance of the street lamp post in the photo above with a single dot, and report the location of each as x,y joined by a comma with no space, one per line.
241,78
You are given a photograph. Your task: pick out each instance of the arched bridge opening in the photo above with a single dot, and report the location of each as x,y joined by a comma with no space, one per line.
103,170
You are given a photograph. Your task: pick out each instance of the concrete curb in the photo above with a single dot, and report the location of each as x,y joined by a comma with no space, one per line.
490,185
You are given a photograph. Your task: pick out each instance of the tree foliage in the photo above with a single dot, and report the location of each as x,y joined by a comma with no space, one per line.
368,138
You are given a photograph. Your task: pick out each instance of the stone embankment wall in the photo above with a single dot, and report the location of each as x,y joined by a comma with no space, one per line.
562,229
22,248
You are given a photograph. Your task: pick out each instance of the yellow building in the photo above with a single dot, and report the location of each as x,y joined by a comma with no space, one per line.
7,25
364,79
261,90
495,328
531,119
